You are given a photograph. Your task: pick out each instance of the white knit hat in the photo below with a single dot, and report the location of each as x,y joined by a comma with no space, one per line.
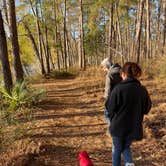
106,63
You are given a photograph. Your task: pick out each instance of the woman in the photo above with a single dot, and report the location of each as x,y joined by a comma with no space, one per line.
128,103
112,77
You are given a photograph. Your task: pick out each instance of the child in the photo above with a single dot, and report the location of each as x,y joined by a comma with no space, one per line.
128,103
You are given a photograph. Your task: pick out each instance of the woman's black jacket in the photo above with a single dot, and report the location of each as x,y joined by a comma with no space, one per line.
127,104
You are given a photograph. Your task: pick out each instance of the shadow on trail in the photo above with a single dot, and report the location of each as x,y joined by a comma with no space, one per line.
90,113
52,155
54,116
69,126
65,103
157,126
65,135
89,108
68,90
104,157
48,155
65,96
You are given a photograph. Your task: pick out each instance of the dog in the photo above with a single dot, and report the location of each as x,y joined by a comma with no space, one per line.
84,159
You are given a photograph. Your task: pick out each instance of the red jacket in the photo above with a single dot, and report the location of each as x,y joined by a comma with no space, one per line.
84,159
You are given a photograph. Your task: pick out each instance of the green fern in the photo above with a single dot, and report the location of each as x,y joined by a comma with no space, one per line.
21,95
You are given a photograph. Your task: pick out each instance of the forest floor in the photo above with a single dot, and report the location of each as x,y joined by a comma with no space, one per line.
70,120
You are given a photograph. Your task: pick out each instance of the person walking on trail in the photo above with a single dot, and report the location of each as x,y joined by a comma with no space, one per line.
126,106
112,77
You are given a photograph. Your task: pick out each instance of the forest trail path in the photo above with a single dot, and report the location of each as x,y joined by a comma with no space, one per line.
70,119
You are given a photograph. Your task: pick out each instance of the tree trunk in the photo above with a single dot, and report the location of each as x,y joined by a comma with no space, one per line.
7,76
47,50
81,49
147,30
51,60
158,36
40,42
61,49
68,50
60,43
44,39
55,8
110,30
138,30
64,37
127,46
15,45
70,46
34,45
164,32
4,6
115,41
30,36
119,35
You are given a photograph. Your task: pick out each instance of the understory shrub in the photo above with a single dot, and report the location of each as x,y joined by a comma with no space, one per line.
15,107
22,95
162,66
155,67
62,74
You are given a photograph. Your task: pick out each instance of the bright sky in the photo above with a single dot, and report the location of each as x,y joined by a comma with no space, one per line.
17,2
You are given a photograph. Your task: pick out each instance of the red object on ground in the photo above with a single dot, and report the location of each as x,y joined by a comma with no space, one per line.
84,159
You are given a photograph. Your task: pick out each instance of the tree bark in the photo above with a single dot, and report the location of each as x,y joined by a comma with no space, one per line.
119,34
138,30
47,50
15,45
44,39
164,32
147,30
110,34
82,61
40,42
34,45
55,8
7,76
158,36
4,6
64,37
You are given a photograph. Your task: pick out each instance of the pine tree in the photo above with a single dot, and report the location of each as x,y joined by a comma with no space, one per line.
7,76
15,45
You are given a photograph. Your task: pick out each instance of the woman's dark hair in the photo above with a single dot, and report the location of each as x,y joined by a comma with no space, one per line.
132,70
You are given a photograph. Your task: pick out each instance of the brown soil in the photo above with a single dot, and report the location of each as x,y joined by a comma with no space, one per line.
71,120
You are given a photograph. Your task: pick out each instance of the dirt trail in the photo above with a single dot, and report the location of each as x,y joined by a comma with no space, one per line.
71,119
